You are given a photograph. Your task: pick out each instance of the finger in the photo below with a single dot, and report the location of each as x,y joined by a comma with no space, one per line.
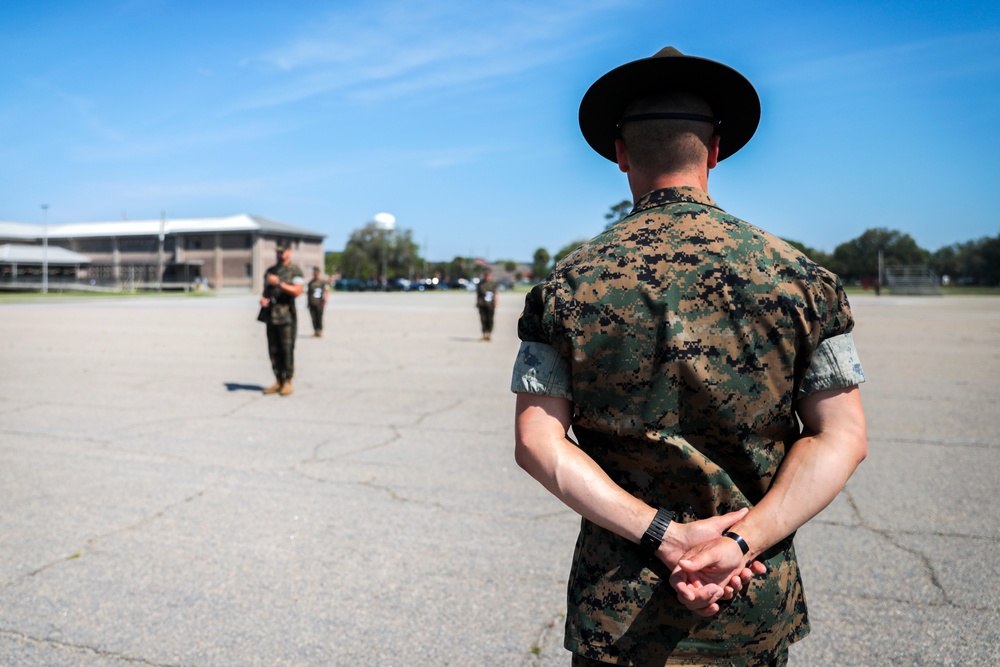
710,610
698,561
732,518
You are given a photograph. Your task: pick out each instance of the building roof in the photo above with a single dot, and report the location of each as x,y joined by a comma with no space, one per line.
19,231
13,253
234,223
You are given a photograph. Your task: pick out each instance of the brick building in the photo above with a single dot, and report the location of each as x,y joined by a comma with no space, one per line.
217,252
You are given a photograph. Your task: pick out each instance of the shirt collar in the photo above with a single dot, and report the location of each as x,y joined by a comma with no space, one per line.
678,195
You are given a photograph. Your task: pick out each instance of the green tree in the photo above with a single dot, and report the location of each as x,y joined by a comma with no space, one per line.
973,262
540,264
618,212
568,248
332,262
460,268
858,258
817,256
370,248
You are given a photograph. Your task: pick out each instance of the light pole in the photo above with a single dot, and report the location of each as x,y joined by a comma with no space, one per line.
385,222
159,257
45,248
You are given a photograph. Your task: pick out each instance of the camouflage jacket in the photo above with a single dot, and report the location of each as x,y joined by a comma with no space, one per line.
283,312
688,335
486,292
317,290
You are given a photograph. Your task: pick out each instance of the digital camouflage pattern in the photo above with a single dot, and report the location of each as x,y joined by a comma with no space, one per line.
688,333
282,328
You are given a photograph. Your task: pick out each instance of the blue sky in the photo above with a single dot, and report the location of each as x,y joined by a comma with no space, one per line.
460,118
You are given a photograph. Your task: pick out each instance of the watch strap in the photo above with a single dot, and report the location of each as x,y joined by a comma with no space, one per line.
744,547
653,537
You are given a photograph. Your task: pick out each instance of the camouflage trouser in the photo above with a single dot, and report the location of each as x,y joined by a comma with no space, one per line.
579,661
486,318
281,349
316,313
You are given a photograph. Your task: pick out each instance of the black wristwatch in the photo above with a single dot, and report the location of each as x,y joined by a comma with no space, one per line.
653,537
744,547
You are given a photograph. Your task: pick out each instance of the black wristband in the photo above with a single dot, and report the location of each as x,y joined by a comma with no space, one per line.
744,547
653,537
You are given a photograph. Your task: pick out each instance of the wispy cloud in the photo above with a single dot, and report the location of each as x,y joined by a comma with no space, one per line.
969,54
125,148
395,48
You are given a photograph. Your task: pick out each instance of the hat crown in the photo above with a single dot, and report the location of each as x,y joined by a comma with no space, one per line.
731,96
667,52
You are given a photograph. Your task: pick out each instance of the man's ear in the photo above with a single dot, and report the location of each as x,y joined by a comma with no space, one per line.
713,151
622,155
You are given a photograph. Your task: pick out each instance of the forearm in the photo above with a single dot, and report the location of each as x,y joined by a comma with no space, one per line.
573,477
814,471
291,289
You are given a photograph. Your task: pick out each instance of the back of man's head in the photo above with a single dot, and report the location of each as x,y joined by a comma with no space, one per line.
668,146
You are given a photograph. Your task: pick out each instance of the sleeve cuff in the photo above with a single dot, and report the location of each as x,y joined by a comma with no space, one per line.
835,364
539,369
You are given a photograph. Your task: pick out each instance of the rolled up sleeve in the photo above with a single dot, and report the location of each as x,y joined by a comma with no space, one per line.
539,369
835,365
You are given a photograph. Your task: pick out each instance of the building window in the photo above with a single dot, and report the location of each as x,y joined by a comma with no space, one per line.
249,271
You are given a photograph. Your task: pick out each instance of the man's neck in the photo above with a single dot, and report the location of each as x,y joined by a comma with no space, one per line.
640,184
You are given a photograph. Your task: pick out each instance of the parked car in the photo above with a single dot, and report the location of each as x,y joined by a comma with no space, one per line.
350,285
424,285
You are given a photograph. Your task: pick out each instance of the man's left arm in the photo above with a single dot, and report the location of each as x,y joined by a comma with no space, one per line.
571,475
294,288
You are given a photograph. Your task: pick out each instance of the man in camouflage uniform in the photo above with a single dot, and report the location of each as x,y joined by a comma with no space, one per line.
486,302
681,345
318,291
283,283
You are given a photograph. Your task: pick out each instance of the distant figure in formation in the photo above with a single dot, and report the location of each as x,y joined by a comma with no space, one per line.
683,346
486,302
283,283
318,290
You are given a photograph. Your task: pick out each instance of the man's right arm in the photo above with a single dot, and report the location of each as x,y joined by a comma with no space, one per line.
814,471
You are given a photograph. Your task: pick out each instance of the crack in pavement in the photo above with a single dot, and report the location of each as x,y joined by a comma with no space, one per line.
888,537
90,541
316,458
20,636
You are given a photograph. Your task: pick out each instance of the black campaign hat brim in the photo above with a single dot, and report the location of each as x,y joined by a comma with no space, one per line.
731,96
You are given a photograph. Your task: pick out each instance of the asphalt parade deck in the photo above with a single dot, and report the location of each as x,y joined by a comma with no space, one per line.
156,509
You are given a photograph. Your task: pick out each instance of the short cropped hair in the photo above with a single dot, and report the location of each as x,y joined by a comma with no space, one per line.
668,146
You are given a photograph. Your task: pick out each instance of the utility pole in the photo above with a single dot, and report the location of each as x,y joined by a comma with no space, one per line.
45,249
159,266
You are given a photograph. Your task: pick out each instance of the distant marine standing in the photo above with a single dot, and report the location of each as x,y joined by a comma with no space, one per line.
486,302
283,283
319,291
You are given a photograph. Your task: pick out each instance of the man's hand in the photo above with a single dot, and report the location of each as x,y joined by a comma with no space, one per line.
712,571
681,538
273,279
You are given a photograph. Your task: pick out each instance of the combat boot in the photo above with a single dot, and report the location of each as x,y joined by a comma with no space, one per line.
286,388
274,388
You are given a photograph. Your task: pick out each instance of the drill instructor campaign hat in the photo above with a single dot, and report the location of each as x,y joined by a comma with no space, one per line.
734,102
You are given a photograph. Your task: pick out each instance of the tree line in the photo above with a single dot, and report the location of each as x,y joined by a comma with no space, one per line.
974,262
375,254
372,253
